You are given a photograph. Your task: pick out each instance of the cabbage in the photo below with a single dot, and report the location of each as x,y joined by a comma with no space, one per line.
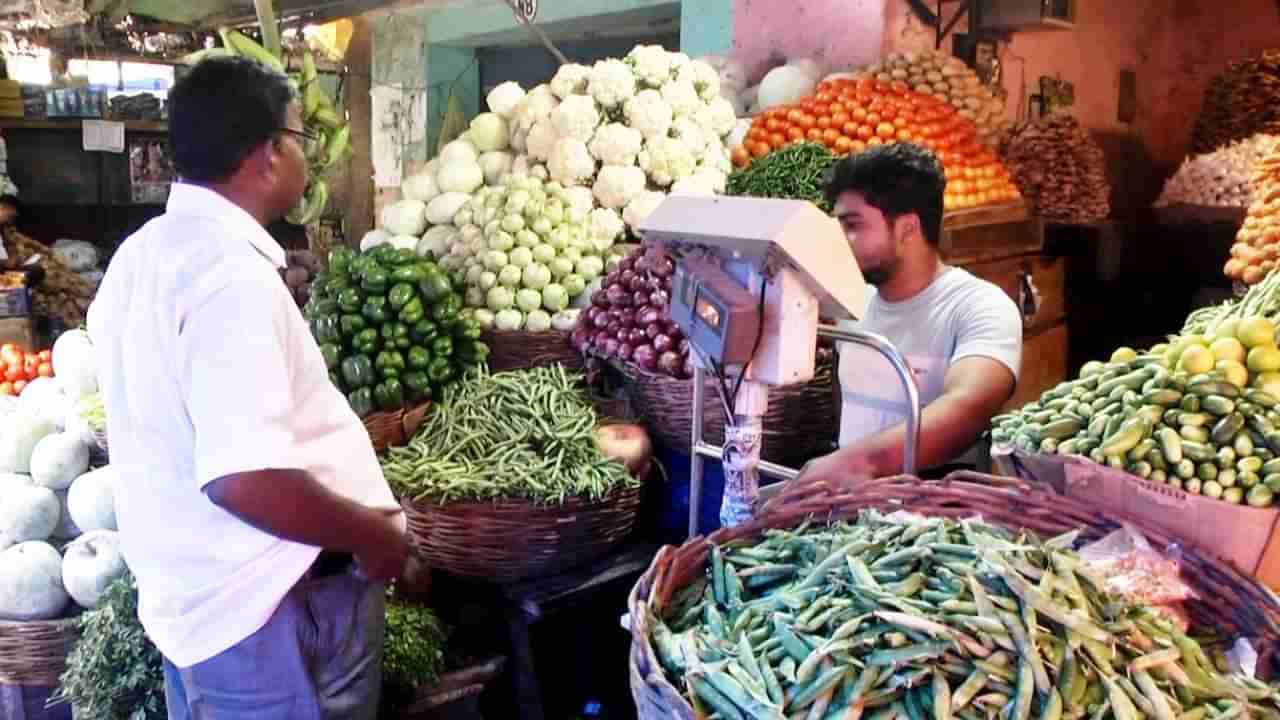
513,223
555,297
18,440
521,256
544,253
495,165
536,276
509,320
574,284
501,240
489,132
564,320
528,300
499,298
560,267
421,187
484,316
435,243
537,321
406,217
74,364
444,207
510,276
495,260
590,267
458,151
462,177
487,279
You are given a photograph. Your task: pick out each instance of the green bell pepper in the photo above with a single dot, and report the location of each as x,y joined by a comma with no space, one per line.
349,325
471,352
360,264
323,306
440,371
375,309
349,299
395,336
442,347
434,285
390,363
338,282
335,377
375,280
366,341
411,274
357,371
332,355
400,295
445,310
418,358
389,394
361,401
417,386
423,332
383,254
320,285
327,330
402,257
340,259
412,312
466,329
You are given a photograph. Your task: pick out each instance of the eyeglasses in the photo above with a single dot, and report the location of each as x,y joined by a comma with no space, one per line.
300,133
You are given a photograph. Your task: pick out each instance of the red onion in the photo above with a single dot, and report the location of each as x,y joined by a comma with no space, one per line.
659,298
640,298
682,347
613,327
645,356
601,320
627,263
625,350
662,343
653,330
610,347
598,298
626,277
638,337
675,332
648,315
617,295
599,338
627,318
664,267
580,338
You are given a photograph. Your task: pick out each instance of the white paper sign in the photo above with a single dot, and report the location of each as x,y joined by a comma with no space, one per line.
399,120
103,135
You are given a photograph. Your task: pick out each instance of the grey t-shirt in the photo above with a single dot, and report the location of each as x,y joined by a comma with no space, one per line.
956,316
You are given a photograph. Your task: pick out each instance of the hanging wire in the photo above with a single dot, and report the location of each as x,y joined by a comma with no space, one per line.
537,31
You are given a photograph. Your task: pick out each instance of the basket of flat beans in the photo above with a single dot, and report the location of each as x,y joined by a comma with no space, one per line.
510,476
898,599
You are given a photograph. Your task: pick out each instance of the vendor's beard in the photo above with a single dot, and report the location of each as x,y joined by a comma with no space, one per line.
878,276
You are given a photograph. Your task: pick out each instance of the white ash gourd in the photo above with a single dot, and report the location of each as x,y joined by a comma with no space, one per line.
1059,168
934,73
1222,178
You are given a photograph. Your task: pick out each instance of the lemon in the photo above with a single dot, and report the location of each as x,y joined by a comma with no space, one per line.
1124,355
1233,371
1093,367
1227,328
1197,359
1256,332
1268,383
1264,359
1228,348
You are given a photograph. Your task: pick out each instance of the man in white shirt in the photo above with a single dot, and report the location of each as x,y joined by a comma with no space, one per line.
251,507
962,336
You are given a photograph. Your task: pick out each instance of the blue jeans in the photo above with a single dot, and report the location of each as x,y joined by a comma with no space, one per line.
319,657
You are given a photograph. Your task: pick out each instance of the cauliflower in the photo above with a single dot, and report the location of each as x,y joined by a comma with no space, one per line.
579,200
641,206
541,140
570,162
576,118
504,99
682,97
616,144
569,80
702,182
666,160
705,79
536,105
677,60
605,224
649,113
611,83
651,64
717,117
518,138
693,134
617,184
519,166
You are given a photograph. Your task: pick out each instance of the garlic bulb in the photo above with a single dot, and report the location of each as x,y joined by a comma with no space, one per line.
1220,178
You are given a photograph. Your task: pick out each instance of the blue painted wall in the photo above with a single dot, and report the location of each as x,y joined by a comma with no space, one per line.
450,70
706,27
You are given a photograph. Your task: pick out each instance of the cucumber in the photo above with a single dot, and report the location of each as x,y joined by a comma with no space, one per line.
1115,461
1129,381
1273,440
1175,482
1242,444
1139,452
1194,434
1260,496
1097,456
1226,457
1211,489
1185,469
1264,453
1100,403
1113,425
1171,417
1207,472
1227,428
1165,398
1249,464
1248,479
1234,495
1262,398
1131,399
1191,403
1002,420
1063,428
1159,476
1151,385
1059,405
1218,405
1198,452
1221,388
1048,446
1260,423
1197,419
1044,417
1086,445
1272,481
1271,467
1142,469
1130,433
1192,485
1244,407
1152,413
1170,445
1227,477
1088,396
1083,410
1069,447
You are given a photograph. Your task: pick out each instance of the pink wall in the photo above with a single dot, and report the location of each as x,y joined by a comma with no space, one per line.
839,33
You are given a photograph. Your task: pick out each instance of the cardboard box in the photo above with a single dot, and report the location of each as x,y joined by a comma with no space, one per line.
1247,537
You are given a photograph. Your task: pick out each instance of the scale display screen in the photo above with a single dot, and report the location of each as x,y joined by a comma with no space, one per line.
708,313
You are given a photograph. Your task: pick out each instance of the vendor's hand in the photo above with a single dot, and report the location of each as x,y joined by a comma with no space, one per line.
841,468
387,549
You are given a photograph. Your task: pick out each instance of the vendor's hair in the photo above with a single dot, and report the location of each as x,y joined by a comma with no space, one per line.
221,111
896,179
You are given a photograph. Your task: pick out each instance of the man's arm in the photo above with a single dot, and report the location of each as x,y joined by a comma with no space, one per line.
291,505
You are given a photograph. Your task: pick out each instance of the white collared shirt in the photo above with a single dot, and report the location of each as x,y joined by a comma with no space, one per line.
207,368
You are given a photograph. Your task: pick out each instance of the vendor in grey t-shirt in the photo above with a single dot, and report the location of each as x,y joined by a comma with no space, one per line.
962,336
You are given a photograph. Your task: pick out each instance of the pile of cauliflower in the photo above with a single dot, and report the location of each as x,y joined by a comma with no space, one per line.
1220,178
550,179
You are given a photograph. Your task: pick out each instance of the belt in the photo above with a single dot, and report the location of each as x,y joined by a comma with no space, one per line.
328,564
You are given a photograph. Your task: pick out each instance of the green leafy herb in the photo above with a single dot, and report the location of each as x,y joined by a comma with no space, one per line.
796,172
413,653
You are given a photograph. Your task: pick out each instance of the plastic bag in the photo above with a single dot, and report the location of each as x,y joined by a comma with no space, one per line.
77,255
1129,567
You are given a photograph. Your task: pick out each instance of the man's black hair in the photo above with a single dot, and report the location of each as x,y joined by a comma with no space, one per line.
220,111
897,179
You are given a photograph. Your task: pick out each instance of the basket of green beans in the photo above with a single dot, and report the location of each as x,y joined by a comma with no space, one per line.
504,479
971,604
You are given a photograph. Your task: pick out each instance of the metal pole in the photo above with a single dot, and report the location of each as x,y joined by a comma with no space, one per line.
701,449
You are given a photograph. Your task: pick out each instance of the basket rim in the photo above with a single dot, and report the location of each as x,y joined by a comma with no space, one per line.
522,503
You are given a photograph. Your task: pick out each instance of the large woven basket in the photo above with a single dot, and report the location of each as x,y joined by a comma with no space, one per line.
521,349
34,652
512,540
799,425
1230,601
390,428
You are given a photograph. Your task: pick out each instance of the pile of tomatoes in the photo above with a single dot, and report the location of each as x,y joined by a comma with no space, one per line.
18,368
849,116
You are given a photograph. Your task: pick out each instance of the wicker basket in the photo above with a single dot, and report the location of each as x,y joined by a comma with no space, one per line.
394,427
512,540
520,349
35,652
1232,601
799,425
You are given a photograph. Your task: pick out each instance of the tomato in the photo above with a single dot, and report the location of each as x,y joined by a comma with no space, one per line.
822,122
11,354
858,114
824,97
905,135
837,107
850,129
843,145
19,386
874,141
45,370
886,130
829,137
839,119
740,156
806,122
859,146
30,364
756,134
900,87
6,388
795,134
865,132
874,119
777,140
813,135
45,356
771,125
13,373
794,116
760,149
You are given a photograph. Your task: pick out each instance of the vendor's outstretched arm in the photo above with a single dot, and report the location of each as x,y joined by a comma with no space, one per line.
973,391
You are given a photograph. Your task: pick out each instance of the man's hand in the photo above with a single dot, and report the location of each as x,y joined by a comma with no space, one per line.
387,553
844,468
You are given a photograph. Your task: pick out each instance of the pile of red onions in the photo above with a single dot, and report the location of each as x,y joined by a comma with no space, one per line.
629,318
